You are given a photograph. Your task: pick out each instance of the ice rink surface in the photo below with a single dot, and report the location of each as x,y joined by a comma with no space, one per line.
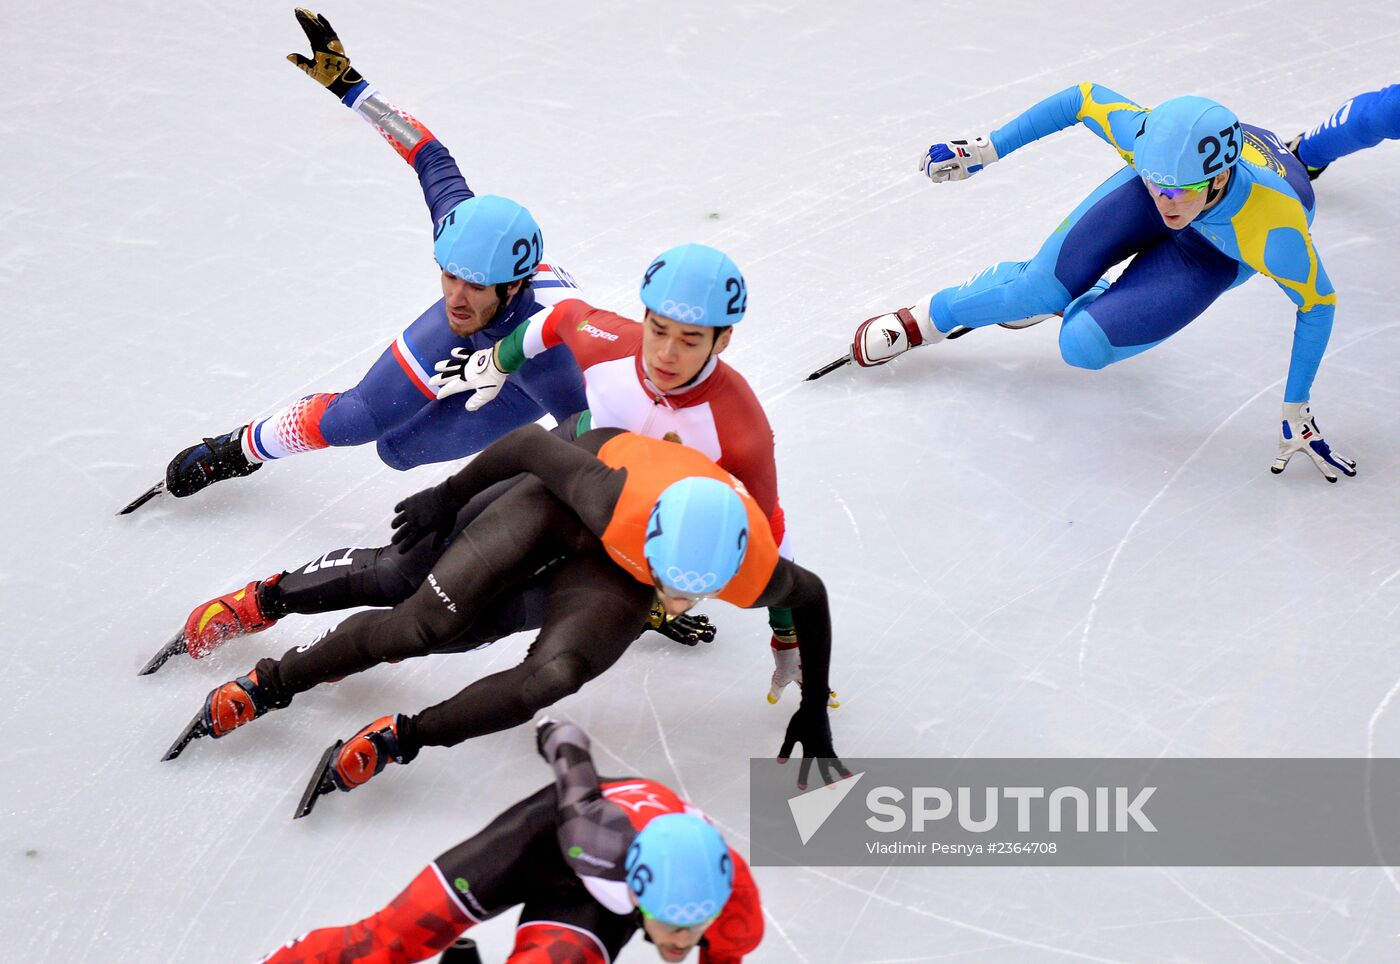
1024,559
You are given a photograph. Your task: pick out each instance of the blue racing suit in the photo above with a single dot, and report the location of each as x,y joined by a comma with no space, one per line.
1260,224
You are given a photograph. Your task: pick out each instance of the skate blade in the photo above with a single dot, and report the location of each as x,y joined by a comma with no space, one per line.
828,368
1027,323
175,647
957,332
193,731
144,497
321,782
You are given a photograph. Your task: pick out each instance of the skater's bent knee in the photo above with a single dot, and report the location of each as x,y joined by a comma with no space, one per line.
552,681
1083,343
395,457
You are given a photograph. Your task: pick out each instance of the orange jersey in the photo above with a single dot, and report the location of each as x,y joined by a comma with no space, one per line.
652,466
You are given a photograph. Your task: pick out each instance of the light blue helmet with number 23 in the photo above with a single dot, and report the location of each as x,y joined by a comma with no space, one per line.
488,240
695,285
1187,140
697,536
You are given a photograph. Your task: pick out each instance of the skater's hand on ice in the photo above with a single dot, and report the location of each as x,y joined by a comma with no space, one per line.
432,512
687,629
328,64
956,160
811,727
787,668
468,371
1299,433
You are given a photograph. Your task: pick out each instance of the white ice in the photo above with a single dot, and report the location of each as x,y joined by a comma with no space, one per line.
1024,559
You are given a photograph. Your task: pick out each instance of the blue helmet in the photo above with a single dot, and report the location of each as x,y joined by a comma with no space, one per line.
696,537
487,240
695,285
1187,140
680,870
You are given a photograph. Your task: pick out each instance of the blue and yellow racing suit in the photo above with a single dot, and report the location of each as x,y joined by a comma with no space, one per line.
1261,223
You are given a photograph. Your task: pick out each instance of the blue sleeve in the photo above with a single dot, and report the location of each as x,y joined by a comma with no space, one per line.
443,185
1052,114
1310,335
1112,117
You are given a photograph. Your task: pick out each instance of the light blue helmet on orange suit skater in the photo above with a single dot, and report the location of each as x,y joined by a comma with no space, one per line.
697,536
1187,140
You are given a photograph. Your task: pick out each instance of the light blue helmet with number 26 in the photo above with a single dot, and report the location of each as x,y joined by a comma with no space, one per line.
679,869
695,285
488,240
1187,140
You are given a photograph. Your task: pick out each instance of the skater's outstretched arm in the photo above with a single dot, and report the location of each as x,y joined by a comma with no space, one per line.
568,469
443,185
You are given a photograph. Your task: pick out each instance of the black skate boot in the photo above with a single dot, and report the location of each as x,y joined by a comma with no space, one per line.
213,460
1313,172
462,951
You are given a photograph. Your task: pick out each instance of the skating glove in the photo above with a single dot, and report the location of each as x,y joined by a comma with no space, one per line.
787,668
1299,433
686,629
811,727
956,160
432,512
468,371
328,64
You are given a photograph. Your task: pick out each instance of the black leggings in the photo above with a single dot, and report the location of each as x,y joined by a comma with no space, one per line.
352,577
592,611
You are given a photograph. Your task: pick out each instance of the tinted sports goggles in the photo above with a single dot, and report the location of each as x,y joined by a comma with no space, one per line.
1178,191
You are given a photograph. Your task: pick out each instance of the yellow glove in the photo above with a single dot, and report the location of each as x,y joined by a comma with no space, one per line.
328,64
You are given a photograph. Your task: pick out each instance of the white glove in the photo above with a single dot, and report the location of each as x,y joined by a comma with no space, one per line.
956,160
1300,433
787,668
467,371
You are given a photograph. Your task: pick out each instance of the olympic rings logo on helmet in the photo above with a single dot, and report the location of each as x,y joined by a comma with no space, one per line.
689,581
1156,178
689,913
470,277
679,311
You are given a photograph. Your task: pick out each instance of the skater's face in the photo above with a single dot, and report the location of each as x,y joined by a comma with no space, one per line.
674,605
674,943
470,307
1180,211
674,353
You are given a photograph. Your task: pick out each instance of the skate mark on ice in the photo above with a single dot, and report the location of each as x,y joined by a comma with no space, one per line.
962,925
1133,527
1231,921
661,735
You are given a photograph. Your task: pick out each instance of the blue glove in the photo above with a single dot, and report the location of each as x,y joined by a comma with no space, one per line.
1301,434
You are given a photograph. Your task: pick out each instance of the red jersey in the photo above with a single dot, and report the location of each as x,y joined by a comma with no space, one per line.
718,414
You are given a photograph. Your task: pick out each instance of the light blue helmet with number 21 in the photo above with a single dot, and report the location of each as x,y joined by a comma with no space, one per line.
488,240
695,285
1187,140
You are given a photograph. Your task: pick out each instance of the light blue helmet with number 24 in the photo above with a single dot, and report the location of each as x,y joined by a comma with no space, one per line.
695,285
488,240
1187,140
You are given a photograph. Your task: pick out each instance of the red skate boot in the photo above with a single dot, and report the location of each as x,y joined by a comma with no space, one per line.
345,766
225,709
215,622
